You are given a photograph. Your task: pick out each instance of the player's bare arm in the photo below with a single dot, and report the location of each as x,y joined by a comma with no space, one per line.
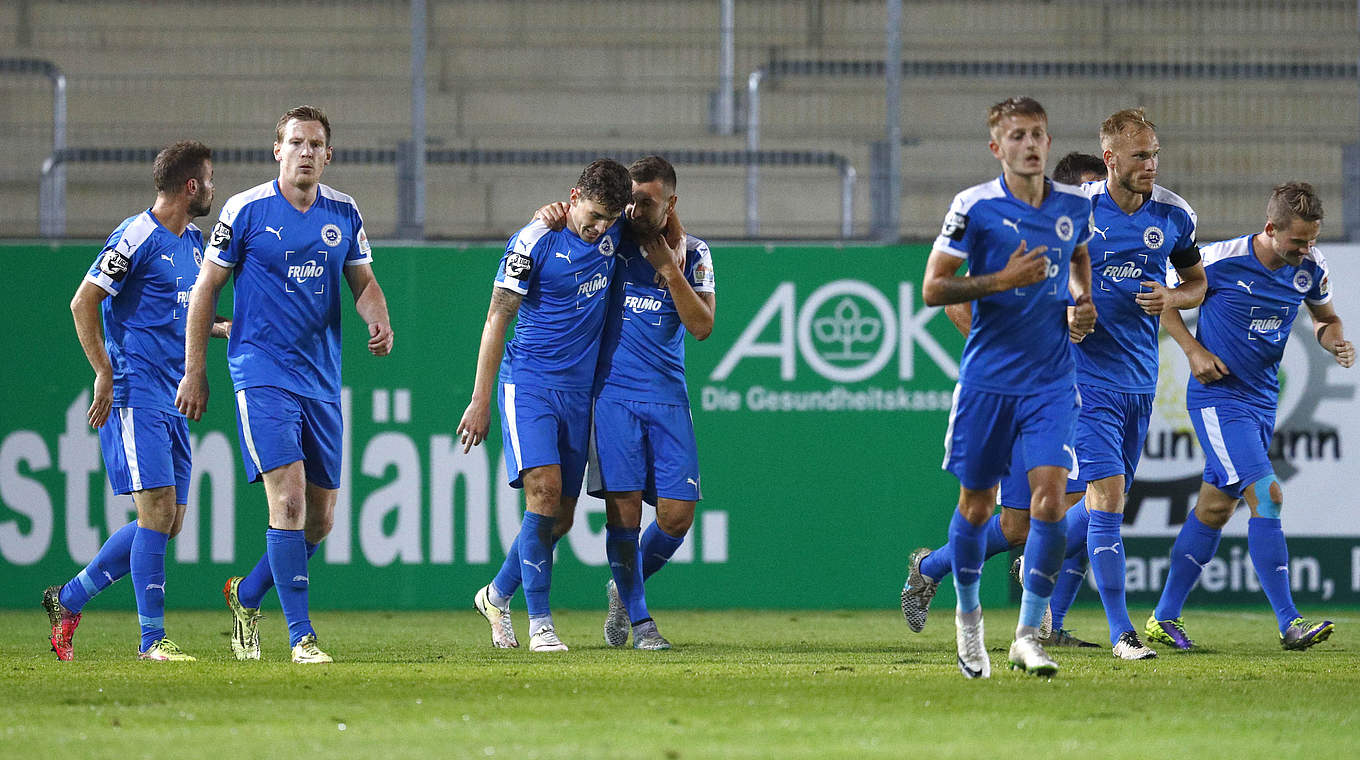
1187,295
1081,317
1205,366
90,332
476,420
1331,335
943,285
961,314
191,399
695,309
371,304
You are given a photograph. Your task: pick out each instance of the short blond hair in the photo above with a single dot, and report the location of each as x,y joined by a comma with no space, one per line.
1293,200
1021,106
1127,122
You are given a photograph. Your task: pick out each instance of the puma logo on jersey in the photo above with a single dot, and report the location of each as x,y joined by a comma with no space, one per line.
535,565
1246,286
1100,231
1114,547
692,482
1012,224
170,258
278,233
562,256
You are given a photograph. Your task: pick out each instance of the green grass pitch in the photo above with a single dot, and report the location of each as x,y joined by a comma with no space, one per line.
737,685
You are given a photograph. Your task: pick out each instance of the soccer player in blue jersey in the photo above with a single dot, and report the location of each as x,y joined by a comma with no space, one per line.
642,434
1024,239
139,288
556,285
1009,528
1256,285
287,243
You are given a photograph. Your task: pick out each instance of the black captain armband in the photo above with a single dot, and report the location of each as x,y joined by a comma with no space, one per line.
1185,257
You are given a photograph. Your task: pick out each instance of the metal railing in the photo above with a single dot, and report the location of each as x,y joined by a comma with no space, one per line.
52,191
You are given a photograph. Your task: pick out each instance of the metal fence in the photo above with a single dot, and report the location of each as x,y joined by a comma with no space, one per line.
1238,106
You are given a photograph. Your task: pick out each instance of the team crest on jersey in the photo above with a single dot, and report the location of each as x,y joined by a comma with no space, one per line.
607,246
1303,281
198,256
1153,237
330,235
1065,228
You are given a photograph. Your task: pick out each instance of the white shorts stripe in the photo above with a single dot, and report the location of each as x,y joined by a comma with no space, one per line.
510,423
1211,427
130,446
245,429
949,431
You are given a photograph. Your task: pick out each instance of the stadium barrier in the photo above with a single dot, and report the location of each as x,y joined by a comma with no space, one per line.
820,403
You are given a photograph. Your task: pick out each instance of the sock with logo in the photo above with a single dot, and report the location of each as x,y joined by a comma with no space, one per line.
1106,549
969,543
260,579
506,582
940,562
1270,556
536,561
1194,547
1073,566
621,546
287,552
1043,559
109,564
657,548
147,566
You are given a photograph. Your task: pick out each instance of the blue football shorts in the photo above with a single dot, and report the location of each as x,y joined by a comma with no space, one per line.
984,426
145,449
1235,438
1111,430
643,446
543,426
279,427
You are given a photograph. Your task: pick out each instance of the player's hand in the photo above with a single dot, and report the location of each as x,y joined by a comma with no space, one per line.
472,428
1024,268
1344,353
191,399
672,230
554,214
1206,367
102,401
221,328
380,338
1155,300
663,257
1081,319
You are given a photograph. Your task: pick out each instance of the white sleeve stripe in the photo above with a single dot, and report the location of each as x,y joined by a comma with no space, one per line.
104,282
949,250
512,284
215,256
703,289
364,260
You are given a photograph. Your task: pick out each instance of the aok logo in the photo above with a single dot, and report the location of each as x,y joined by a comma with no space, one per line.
304,276
846,331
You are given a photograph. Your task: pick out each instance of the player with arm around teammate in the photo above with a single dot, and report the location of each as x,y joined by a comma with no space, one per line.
287,242
1024,239
1256,285
129,318
554,285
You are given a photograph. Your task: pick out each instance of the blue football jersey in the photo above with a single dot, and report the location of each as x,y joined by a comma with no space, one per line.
1128,249
1018,343
147,271
285,328
1245,320
565,284
642,353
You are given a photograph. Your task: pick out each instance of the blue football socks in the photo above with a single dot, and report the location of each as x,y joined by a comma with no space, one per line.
287,552
109,564
1043,561
147,563
657,548
969,542
1106,548
621,546
1073,566
940,562
1194,547
1270,556
260,579
535,543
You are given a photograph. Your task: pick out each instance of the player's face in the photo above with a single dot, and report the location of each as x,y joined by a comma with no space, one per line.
303,154
652,201
200,201
587,218
1021,142
1132,160
1294,242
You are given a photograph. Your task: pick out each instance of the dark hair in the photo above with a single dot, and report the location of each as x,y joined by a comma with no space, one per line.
606,182
1074,164
178,164
1293,200
303,113
1022,106
651,169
